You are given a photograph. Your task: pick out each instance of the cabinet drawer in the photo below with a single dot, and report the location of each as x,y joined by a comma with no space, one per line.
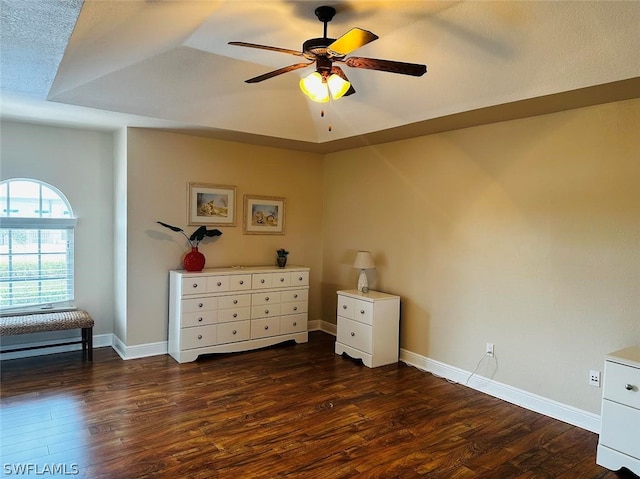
240,282
280,279
294,295
217,284
346,307
233,332
265,298
293,307
620,428
265,311
194,285
234,301
294,323
300,278
200,337
233,314
261,280
263,328
190,320
622,384
355,334
199,304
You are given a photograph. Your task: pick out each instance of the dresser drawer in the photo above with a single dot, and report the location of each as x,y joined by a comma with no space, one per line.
355,334
199,304
233,314
217,284
199,337
280,279
194,285
300,278
261,280
622,384
234,301
233,332
294,295
240,282
263,328
620,429
266,311
346,307
265,298
190,320
293,323
293,307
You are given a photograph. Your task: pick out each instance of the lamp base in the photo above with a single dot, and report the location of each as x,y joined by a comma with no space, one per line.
363,284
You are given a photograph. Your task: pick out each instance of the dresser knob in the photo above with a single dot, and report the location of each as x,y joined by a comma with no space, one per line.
235,315
235,301
219,283
266,327
241,282
282,280
353,334
199,319
295,323
344,306
266,298
266,311
262,281
295,308
628,387
199,336
299,278
200,305
234,332
295,296
195,285
362,311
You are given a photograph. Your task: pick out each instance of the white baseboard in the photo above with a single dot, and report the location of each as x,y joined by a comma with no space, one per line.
140,350
99,341
533,402
320,325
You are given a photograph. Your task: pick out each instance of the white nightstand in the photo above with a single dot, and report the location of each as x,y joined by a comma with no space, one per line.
368,326
619,443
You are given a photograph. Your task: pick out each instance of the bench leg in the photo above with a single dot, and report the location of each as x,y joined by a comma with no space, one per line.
87,344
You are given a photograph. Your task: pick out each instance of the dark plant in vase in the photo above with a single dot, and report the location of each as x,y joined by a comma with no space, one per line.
194,260
281,257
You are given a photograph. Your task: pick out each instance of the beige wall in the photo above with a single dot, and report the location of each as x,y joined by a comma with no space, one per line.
525,234
159,166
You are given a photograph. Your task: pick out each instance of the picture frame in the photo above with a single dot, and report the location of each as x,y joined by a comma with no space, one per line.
210,204
264,215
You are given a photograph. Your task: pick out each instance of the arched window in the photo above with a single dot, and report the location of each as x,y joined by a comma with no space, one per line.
36,247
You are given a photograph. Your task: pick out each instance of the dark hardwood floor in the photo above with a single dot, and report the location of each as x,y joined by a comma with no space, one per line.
295,411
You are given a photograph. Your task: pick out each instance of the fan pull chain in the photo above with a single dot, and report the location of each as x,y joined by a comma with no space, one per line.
322,116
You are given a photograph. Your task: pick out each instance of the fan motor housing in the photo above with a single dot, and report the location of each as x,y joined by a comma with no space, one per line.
316,47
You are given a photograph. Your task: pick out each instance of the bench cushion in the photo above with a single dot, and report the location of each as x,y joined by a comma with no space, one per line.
40,322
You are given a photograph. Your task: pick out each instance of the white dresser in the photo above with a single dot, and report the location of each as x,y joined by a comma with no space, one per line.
619,443
369,326
223,310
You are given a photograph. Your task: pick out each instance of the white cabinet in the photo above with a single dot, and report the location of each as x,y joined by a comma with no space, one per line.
619,442
223,310
368,326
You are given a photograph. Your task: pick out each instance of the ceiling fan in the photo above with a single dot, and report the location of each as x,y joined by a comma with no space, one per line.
329,79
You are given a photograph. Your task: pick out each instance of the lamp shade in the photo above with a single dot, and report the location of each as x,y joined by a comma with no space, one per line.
337,86
364,260
315,87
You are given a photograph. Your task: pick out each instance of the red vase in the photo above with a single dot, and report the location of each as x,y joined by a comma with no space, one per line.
193,260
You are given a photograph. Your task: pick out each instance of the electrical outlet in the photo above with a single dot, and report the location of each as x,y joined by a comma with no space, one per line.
594,378
489,349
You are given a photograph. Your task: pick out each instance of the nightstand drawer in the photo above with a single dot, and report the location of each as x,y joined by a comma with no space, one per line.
620,430
355,334
622,384
346,307
198,337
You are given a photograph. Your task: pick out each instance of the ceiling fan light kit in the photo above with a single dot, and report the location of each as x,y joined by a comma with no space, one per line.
328,80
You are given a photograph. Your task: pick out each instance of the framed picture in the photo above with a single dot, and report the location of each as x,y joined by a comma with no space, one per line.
212,204
264,215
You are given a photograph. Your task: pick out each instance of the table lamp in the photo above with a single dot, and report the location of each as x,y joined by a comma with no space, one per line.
363,261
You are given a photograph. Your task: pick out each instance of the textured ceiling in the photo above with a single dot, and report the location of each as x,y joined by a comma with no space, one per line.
168,64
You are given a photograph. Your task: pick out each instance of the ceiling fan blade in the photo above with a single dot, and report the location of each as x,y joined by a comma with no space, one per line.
350,41
338,71
413,69
265,47
277,72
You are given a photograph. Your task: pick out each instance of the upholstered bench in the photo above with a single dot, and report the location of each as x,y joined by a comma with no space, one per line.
42,322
